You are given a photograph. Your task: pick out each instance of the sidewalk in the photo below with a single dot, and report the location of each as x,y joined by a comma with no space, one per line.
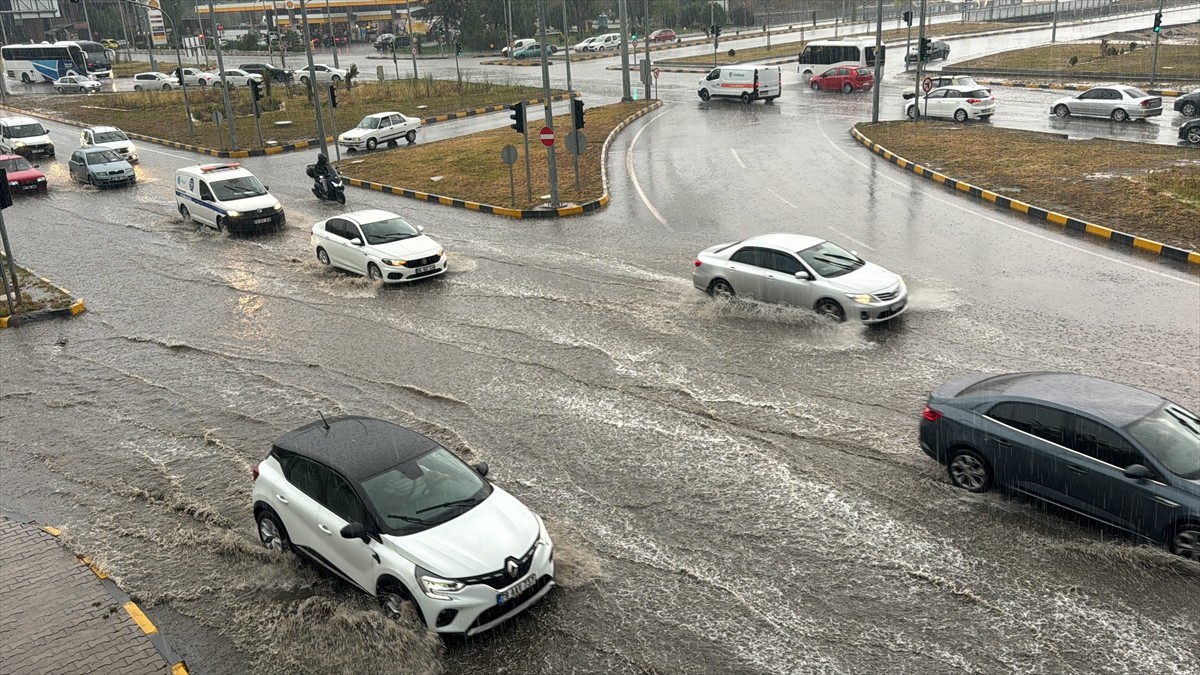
58,615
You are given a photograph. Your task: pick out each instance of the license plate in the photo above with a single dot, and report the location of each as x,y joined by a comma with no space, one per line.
522,586
29,187
426,268
260,221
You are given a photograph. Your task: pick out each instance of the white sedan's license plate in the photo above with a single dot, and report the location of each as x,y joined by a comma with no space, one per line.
261,221
522,586
427,268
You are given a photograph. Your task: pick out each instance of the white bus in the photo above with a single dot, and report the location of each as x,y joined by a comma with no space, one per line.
821,55
46,62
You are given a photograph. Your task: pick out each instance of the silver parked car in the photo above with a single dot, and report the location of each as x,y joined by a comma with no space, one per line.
805,271
1116,102
76,84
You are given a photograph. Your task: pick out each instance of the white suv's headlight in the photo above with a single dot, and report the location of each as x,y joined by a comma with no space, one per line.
543,536
233,214
435,586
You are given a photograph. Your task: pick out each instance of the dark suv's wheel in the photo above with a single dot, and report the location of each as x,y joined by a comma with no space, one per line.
969,471
1185,541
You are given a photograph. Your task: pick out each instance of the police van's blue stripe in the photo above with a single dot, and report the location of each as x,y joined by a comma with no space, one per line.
181,193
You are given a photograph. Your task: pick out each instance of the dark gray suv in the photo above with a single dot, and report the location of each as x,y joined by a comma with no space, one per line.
1120,455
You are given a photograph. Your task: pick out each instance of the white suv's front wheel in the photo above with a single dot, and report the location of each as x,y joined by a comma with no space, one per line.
271,532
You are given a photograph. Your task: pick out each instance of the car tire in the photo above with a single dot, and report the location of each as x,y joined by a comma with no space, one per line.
336,79
304,81
968,470
911,112
1120,115
816,86
704,95
220,223
720,288
1188,109
847,88
373,272
961,116
137,87
59,89
185,214
393,598
829,308
166,87
1061,110
807,75
1185,541
271,532
322,256
411,136
371,144
745,97
1193,135
25,78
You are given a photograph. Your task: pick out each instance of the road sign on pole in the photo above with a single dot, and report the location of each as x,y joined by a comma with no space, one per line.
547,136
508,155
576,142
927,84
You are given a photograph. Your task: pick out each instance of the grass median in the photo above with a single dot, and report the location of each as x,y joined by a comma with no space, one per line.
161,114
1151,191
469,167
1096,59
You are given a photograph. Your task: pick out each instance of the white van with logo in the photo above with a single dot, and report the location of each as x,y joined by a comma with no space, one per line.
746,82
605,42
226,197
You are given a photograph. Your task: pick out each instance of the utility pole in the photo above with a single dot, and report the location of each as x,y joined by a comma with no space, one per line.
625,93
907,40
878,63
412,41
549,107
646,68
920,43
3,77
1054,26
332,38
712,25
149,39
312,78
567,53
88,21
212,13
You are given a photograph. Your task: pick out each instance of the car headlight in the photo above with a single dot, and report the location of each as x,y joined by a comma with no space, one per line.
19,144
441,252
901,280
435,586
861,298
393,262
12,182
233,214
278,206
41,179
543,536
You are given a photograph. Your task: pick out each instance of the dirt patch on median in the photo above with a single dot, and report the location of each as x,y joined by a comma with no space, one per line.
1151,191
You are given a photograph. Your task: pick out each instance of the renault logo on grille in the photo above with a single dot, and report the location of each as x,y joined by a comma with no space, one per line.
511,567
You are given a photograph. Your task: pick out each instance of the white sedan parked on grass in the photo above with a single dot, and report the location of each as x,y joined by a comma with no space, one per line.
379,245
387,127
959,102
235,77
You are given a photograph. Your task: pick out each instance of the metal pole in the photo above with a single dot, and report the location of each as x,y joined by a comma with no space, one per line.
332,39
125,30
395,61
712,22
187,104
528,169
508,34
3,77
625,91
8,258
8,298
337,151
312,77
412,42
1054,27
91,36
920,41
878,63
907,40
150,41
549,107
1154,62
512,187
646,79
567,50
212,13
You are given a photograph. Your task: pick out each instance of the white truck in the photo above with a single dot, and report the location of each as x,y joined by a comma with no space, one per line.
745,82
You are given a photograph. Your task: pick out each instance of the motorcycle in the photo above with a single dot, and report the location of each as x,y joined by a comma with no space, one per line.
332,189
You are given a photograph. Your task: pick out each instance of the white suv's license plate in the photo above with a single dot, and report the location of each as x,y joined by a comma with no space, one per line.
522,586
260,221
426,268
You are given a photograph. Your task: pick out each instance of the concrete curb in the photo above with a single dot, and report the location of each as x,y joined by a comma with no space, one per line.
700,69
278,149
1122,239
177,664
76,307
561,212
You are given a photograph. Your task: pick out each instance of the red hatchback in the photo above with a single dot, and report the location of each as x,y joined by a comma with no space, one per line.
663,35
22,176
844,79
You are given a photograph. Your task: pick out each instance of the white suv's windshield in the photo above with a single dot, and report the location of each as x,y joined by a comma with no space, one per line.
237,188
1172,435
26,130
425,491
111,136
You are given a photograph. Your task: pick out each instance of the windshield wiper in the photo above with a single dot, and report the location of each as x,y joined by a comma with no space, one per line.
469,501
1185,420
843,257
409,519
836,263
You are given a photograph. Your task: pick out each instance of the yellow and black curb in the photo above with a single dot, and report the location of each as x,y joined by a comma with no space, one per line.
278,149
177,664
1127,241
560,212
76,307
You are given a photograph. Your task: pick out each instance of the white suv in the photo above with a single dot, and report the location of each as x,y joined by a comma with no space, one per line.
404,519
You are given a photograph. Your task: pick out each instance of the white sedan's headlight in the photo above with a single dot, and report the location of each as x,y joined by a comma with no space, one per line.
861,298
393,262
435,586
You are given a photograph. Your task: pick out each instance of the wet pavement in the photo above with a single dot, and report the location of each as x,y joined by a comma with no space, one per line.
732,488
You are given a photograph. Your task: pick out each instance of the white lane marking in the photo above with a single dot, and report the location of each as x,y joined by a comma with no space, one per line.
739,159
840,233
985,216
633,176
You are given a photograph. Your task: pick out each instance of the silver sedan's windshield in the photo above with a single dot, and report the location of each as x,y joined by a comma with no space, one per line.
105,157
1172,435
830,260
425,491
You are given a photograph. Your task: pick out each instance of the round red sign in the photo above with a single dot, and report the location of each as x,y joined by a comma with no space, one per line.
547,136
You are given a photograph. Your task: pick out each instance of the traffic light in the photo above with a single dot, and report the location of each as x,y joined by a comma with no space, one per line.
1158,22
907,18
518,117
458,49
926,48
255,89
717,30
577,113
332,96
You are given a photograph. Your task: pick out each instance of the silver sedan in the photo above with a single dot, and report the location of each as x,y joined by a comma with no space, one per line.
1116,102
804,271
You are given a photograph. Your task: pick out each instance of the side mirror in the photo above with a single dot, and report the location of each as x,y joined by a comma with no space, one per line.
355,531
482,468
1137,472
267,188
802,275
356,242
420,228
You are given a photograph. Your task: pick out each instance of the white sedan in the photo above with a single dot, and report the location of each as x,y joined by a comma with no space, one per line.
235,77
324,74
960,102
194,77
387,127
379,245
153,82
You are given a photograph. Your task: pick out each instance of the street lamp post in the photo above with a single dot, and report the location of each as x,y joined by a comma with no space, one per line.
312,78
332,37
187,104
87,21
412,42
212,13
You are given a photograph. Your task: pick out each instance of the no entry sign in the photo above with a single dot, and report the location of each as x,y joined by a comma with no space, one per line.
547,136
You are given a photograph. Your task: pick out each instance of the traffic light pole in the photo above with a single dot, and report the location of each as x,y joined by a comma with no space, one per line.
907,40
550,159
212,13
337,151
412,43
920,62
625,93
258,122
525,133
878,63
1157,32
312,78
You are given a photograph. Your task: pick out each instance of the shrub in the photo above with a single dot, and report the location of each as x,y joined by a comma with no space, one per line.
1074,60
1132,46
732,52
1112,51
1104,48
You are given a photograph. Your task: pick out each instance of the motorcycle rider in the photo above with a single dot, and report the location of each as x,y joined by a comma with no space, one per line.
322,172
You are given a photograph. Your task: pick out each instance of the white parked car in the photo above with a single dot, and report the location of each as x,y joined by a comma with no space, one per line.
945,81
958,102
379,245
235,77
518,45
405,520
194,77
324,74
109,137
153,82
386,127
585,45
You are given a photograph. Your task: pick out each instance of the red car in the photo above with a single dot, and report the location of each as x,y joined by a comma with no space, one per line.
663,35
22,176
846,79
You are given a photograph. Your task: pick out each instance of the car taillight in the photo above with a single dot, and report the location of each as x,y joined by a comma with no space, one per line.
931,414
254,469
1145,104
697,262
973,101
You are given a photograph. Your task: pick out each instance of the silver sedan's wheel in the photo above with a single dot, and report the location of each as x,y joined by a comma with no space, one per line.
721,289
371,143
1062,110
322,256
271,532
411,136
969,471
1119,115
1186,541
